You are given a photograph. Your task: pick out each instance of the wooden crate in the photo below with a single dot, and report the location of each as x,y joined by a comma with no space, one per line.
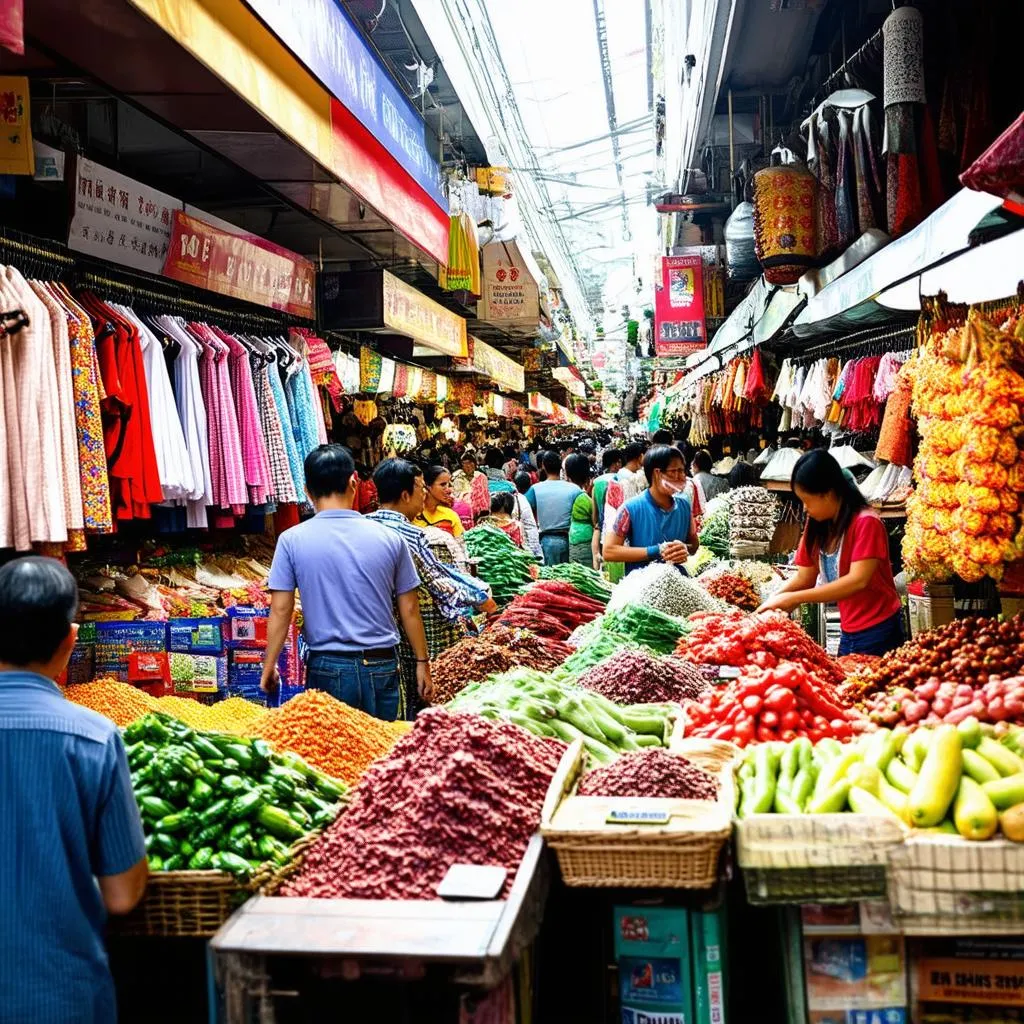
682,854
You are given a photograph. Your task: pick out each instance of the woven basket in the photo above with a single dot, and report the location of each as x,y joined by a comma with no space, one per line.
183,904
682,854
815,858
946,885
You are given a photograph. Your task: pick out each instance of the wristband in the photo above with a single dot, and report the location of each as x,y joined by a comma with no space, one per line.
422,661
654,551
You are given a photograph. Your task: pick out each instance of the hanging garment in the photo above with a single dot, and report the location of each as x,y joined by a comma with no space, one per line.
273,432
868,186
287,428
846,185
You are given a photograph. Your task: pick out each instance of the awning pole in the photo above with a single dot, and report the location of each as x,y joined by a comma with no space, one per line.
732,154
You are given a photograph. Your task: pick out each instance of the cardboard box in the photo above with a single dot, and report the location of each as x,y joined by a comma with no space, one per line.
707,947
652,946
195,636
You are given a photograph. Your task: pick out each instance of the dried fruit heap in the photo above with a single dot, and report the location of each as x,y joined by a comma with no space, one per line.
651,772
457,790
638,677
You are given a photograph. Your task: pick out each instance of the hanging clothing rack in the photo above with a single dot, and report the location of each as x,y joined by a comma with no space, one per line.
826,88
843,345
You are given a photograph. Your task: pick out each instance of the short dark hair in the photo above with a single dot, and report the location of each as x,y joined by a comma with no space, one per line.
431,473
610,457
702,460
523,482
328,469
577,469
662,437
660,456
395,477
494,459
468,457
38,603
503,501
633,450
552,463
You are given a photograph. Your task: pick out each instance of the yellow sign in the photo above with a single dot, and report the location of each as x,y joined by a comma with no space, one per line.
492,180
410,312
998,982
505,372
16,153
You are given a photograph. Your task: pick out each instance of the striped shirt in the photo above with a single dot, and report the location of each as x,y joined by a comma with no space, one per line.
68,815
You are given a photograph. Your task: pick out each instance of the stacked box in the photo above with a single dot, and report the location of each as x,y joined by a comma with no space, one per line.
245,637
652,947
116,641
195,636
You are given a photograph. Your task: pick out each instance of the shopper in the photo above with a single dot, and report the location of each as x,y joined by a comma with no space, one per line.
552,500
446,596
844,544
71,845
662,436
611,463
524,514
469,485
658,524
710,486
437,502
632,476
503,507
581,525
350,572
497,482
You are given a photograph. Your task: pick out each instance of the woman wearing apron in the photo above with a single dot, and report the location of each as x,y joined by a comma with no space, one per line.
843,558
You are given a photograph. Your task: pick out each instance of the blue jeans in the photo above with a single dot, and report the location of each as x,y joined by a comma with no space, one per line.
371,686
555,547
879,639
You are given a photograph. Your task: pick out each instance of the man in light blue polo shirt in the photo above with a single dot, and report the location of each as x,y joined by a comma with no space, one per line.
656,525
350,573
71,843
552,500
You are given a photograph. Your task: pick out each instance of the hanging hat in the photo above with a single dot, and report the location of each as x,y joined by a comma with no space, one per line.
903,60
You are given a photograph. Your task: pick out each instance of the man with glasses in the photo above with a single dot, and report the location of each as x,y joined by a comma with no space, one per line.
657,525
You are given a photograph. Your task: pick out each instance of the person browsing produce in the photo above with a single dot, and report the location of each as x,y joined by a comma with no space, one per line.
552,500
843,557
657,525
72,849
348,570
437,502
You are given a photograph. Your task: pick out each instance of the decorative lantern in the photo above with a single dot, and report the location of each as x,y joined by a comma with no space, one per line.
785,235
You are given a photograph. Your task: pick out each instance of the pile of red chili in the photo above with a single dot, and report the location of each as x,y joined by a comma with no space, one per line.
650,772
731,587
638,677
551,608
762,641
778,703
535,650
458,789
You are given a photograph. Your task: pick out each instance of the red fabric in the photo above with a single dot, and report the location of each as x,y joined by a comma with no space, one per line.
866,538
285,517
1000,169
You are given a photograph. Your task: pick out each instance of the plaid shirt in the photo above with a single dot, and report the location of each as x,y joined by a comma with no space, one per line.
283,486
454,593
255,459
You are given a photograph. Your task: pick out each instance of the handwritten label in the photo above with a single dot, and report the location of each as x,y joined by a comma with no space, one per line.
636,816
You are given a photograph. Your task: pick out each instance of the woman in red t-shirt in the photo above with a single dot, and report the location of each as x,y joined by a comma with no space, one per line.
843,558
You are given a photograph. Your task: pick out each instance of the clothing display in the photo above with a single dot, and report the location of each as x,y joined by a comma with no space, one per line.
107,413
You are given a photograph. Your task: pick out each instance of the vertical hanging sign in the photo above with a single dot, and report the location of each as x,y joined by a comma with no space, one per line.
679,306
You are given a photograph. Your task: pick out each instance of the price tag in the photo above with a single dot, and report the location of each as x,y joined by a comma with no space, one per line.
729,672
472,882
636,816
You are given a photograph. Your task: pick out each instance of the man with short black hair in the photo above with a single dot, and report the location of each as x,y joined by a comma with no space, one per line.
631,476
446,595
662,436
349,572
658,525
72,848
551,501
711,486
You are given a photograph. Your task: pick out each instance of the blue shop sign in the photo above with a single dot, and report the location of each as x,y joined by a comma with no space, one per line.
322,36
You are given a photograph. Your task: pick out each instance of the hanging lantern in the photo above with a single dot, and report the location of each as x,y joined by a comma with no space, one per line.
785,237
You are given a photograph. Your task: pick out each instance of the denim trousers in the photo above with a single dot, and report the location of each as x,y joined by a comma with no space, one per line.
880,639
371,686
555,547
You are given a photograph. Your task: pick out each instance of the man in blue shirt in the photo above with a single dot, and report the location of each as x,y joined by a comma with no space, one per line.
71,843
350,573
552,500
656,525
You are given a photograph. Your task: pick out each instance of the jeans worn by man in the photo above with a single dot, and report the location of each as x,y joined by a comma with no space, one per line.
369,683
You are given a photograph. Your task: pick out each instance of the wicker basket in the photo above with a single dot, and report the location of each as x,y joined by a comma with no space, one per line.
183,904
815,858
682,854
943,884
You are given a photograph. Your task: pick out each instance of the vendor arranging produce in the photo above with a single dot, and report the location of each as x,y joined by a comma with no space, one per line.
457,790
216,802
562,710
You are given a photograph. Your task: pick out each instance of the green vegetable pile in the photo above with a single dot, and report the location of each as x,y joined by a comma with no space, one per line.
645,626
564,711
213,801
500,561
600,643
714,533
588,581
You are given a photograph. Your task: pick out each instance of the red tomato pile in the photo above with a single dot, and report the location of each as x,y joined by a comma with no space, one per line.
778,703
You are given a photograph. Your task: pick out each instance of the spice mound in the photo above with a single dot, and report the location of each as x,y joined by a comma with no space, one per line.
339,740
458,789
636,677
650,772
